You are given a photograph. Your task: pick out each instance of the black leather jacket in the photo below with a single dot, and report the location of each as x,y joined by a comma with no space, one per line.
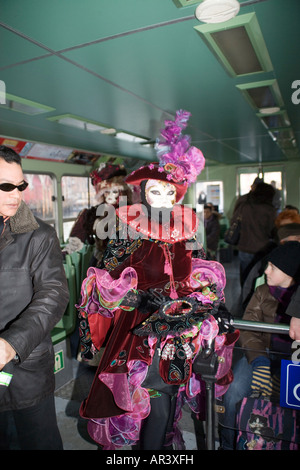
33,297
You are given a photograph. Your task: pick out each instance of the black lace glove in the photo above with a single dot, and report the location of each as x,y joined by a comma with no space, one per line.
146,302
224,319
151,301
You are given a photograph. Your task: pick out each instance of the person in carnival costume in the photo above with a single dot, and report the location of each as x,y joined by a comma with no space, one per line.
108,181
155,305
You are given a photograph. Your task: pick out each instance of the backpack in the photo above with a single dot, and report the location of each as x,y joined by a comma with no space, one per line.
264,425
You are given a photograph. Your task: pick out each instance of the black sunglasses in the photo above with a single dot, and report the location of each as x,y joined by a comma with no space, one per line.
7,187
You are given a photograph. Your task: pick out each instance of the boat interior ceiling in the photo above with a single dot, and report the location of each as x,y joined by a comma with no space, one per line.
101,76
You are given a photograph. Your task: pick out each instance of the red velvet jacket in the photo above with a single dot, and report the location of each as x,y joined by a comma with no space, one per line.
148,257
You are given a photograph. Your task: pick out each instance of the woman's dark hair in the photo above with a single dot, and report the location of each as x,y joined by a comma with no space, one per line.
9,155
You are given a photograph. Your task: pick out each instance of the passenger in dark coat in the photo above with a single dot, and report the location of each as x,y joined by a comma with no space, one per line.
258,224
33,297
212,231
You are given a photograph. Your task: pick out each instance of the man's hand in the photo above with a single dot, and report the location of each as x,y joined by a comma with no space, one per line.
295,328
7,353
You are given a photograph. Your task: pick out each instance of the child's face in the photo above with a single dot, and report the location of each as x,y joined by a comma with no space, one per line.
276,277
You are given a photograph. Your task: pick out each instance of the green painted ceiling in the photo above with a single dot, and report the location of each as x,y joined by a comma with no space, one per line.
130,64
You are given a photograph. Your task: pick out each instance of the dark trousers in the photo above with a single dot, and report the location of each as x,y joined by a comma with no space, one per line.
158,423
33,428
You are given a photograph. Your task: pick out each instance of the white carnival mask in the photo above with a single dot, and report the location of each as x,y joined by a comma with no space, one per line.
111,195
160,194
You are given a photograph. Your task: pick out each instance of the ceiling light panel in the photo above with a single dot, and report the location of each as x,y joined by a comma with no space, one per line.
185,3
238,44
78,122
274,121
262,95
283,135
130,137
292,154
22,105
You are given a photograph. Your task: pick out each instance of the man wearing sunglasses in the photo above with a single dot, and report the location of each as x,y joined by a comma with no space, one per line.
33,298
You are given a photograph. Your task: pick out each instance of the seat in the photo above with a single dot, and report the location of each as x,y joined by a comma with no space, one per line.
86,255
75,265
76,259
67,323
259,281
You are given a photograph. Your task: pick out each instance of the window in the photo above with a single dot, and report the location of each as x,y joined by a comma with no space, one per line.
40,196
246,181
78,194
273,176
209,191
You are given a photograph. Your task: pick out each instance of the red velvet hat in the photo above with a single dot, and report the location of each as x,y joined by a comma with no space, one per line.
154,172
107,172
178,162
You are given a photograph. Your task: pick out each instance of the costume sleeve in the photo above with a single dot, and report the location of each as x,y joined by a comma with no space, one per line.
101,297
83,226
208,280
119,248
294,306
105,290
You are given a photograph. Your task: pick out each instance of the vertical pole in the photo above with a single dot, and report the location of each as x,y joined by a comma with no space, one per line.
206,365
210,415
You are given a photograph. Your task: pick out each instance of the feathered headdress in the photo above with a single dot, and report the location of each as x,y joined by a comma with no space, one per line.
178,162
181,161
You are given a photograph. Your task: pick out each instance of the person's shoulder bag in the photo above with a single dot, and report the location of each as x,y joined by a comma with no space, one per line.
232,234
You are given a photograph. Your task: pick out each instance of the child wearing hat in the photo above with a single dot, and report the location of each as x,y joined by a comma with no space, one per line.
110,187
259,370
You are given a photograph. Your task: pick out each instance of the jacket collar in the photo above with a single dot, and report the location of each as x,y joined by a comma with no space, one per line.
23,221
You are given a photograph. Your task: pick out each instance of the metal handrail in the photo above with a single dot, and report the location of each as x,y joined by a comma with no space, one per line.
259,326
210,387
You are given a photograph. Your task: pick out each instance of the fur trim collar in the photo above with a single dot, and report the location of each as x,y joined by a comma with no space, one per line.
23,221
